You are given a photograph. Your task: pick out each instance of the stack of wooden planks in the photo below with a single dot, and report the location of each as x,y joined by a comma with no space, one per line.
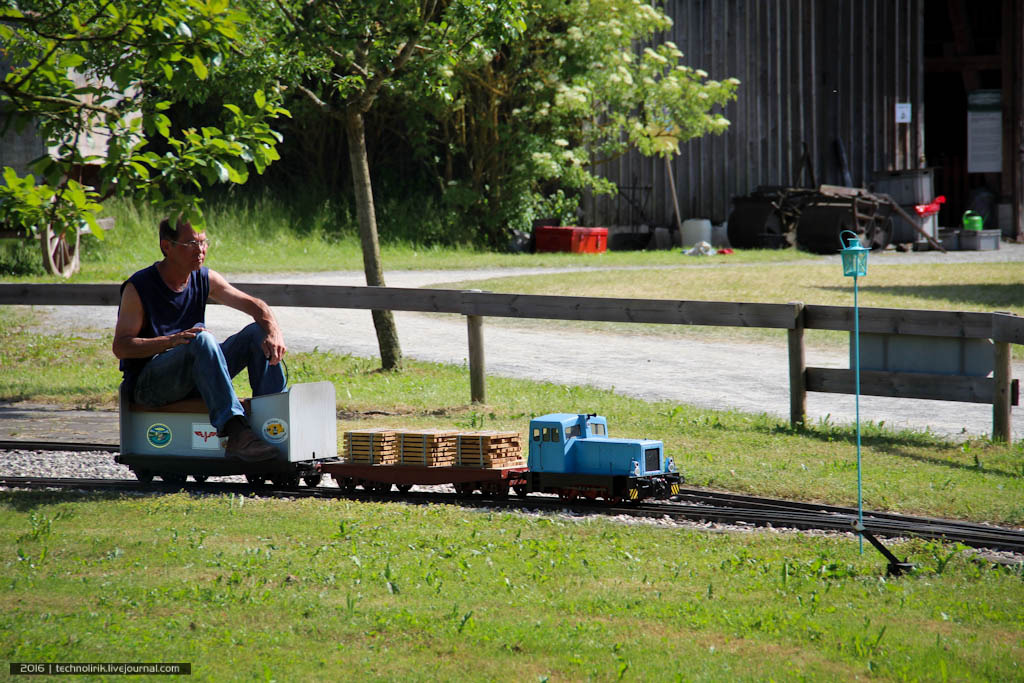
490,450
377,446
434,448
429,447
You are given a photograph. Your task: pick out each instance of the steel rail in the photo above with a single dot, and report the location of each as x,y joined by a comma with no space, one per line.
729,509
32,445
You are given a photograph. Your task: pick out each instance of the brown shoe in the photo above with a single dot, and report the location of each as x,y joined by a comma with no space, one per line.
245,445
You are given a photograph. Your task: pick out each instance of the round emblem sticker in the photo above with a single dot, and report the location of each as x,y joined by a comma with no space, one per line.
275,430
158,435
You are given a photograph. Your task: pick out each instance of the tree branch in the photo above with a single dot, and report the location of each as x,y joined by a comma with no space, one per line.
320,104
71,102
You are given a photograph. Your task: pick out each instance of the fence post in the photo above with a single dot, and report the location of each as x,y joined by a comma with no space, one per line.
797,368
477,388
1001,400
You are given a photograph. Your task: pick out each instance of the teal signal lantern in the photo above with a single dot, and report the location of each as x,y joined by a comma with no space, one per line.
855,264
855,256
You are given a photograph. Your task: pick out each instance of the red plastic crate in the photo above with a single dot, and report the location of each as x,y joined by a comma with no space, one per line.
570,238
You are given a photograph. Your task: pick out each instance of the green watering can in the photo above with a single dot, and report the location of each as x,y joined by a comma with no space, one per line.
973,221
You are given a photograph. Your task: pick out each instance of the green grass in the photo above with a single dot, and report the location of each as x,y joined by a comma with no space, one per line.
248,588
265,235
906,471
980,287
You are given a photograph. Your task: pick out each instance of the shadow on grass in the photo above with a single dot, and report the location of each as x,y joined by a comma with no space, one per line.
897,444
992,296
27,501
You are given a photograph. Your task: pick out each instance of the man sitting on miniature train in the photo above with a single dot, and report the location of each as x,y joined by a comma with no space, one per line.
167,355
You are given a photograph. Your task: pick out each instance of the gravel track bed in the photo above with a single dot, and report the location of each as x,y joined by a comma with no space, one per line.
101,465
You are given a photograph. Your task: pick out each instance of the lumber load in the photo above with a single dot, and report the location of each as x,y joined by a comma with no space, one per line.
489,450
427,447
376,446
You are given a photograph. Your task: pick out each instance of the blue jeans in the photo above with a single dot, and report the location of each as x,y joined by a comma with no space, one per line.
206,367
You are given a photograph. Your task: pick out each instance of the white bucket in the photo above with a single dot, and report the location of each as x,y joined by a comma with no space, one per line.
696,230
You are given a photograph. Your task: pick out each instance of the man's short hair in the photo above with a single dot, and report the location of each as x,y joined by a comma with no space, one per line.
167,232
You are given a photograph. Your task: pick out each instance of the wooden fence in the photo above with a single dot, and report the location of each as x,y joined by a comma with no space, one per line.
1003,329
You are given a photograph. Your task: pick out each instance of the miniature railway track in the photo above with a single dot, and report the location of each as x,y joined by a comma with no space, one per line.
690,504
77,446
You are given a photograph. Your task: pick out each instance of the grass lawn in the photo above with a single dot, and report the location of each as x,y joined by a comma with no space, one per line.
979,287
246,589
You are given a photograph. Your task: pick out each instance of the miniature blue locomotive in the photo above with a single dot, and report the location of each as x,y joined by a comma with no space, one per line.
573,456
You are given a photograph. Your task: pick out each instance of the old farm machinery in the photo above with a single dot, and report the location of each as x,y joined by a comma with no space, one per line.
776,217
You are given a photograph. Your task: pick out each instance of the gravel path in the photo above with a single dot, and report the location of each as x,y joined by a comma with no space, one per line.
731,376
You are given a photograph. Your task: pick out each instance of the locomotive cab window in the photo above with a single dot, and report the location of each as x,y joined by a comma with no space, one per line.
572,431
536,433
552,434
597,428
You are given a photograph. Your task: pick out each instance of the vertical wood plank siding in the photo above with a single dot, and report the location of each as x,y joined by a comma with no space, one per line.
811,72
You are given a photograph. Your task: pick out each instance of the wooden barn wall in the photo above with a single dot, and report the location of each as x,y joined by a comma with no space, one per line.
812,72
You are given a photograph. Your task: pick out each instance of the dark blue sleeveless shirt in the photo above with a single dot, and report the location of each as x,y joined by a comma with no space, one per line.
166,311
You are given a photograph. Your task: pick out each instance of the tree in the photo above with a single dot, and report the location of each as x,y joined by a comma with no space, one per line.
78,68
341,54
521,122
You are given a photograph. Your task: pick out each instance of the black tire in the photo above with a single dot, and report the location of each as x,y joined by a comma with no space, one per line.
312,480
755,224
403,488
820,225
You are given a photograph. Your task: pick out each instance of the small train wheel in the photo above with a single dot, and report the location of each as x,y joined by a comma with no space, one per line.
568,495
347,484
403,488
285,481
495,490
144,476
174,478
465,488
521,490
200,478
312,480
256,479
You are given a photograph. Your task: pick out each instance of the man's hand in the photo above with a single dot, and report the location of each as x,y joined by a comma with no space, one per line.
273,347
183,337
223,293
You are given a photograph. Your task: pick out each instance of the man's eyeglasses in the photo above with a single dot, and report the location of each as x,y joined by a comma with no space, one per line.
193,244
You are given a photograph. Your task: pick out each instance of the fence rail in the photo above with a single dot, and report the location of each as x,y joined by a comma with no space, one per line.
1002,328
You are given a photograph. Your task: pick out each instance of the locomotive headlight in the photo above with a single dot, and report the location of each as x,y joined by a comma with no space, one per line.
670,465
636,469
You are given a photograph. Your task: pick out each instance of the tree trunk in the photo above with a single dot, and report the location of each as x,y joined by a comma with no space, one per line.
383,321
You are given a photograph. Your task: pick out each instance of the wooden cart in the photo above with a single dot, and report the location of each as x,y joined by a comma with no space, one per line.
60,249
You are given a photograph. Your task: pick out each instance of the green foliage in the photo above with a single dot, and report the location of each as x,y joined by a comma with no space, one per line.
20,257
513,123
97,78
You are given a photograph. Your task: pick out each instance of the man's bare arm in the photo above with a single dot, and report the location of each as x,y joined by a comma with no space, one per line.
130,317
223,293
